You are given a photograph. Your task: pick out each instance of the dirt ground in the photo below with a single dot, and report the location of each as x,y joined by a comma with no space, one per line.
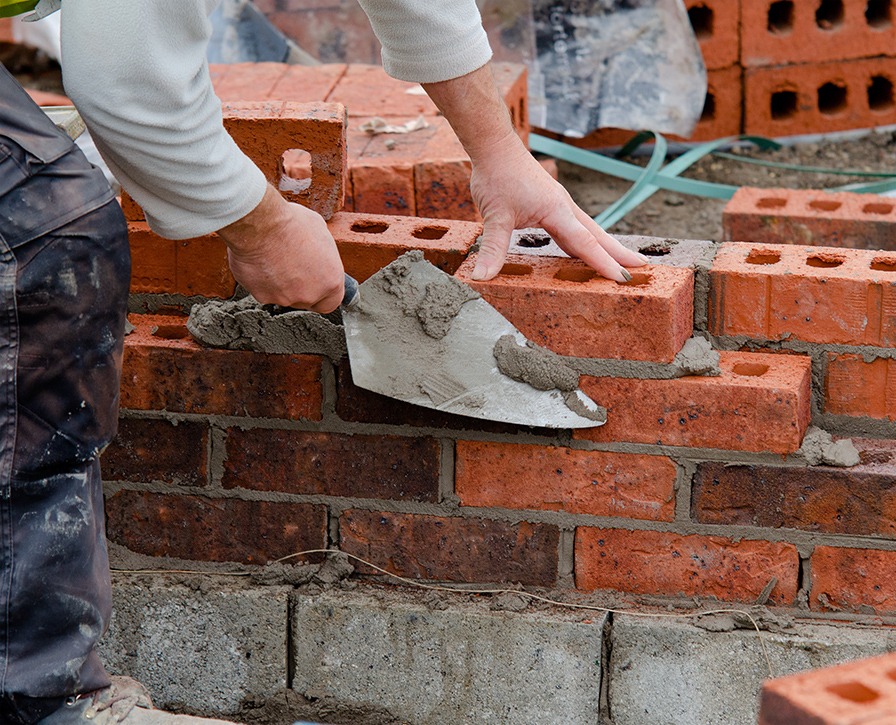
666,214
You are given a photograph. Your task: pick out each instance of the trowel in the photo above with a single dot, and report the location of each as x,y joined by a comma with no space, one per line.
417,334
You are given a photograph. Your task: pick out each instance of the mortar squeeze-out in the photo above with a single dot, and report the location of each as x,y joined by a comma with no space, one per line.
422,336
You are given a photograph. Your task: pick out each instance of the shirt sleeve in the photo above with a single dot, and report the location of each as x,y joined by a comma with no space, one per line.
427,41
138,74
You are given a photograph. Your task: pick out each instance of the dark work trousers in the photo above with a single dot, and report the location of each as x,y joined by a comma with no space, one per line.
64,276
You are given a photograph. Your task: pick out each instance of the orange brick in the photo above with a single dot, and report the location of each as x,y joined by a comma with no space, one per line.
820,98
773,292
512,81
306,83
657,562
367,90
853,693
759,403
854,386
368,242
383,188
186,266
264,130
852,579
565,306
237,82
560,479
130,208
795,216
164,369
716,24
777,33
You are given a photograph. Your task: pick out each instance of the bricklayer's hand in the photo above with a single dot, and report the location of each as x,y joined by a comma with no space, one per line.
284,254
513,191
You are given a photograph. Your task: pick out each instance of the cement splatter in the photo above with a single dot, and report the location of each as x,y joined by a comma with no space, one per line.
540,368
820,448
697,357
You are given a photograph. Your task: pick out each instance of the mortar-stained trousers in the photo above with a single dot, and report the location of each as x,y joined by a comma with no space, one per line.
64,276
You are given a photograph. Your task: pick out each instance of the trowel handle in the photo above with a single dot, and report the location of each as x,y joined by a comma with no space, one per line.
350,298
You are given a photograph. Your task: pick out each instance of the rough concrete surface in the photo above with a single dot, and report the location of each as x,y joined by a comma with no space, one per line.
463,664
205,650
670,672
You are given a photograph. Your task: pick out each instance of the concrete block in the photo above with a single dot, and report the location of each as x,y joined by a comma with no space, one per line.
463,664
670,671
204,651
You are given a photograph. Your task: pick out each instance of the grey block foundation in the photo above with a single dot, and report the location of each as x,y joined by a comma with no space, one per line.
669,672
205,651
464,664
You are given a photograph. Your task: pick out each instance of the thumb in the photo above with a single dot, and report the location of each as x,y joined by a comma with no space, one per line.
492,249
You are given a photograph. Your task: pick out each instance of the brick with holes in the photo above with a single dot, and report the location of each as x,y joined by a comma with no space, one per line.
368,242
860,385
778,32
564,305
815,294
759,402
854,693
716,25
793,100
796,216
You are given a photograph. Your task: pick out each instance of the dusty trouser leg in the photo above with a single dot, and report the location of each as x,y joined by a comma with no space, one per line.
64,273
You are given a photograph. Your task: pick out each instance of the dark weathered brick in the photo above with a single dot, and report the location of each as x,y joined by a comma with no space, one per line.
158,450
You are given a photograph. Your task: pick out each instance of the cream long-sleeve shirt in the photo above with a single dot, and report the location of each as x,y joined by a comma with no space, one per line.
137,71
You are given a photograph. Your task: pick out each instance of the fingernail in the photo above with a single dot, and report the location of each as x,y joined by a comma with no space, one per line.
643,259
626,275
479,272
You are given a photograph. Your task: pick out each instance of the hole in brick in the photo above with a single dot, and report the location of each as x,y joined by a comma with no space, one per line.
702,19
533,241
639,279
880,94
429,232
575,274
512,116
825,261
516,270
783,104
522,112
829,15
660,249
369,227
780,17
709,108
878,14
763,256
853,691
752,370
832,99
771,202
295,170
877,208
824,205
170,332
884,264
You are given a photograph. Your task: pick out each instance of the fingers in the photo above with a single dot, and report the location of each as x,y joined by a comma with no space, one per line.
622,254
576,240
492,248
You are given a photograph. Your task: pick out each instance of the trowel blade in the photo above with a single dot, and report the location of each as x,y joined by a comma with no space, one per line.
406,343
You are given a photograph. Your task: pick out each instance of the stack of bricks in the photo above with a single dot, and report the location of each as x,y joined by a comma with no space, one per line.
696,486
788,68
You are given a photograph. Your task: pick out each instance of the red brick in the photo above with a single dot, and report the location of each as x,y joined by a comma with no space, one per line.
560,479
853,693
856,387
6,30
442,178
306,82
366,90
759,403
368,242
165,370
512,82
158,450
130,208
329,31
656,562
264,130
716,24
820,98
46,98
383,188
793,216
564,305
844,296
845,579
238,82
859,500
213,529
770,36
186,266
453,549
332,464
